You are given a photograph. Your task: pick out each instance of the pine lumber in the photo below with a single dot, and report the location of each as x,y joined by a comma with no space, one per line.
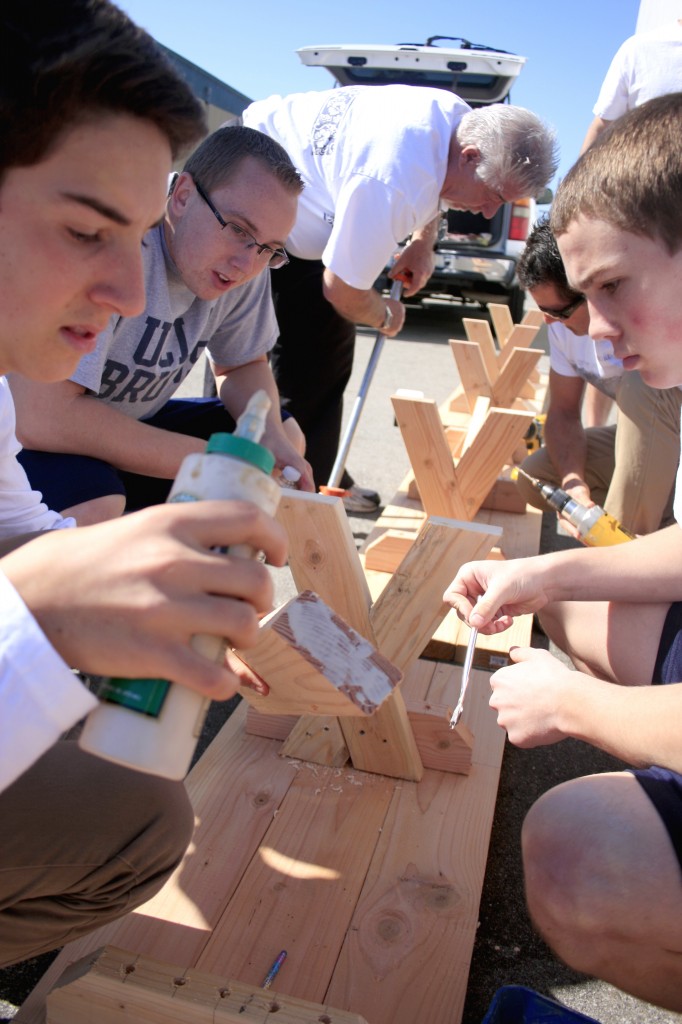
413,855
114,986
316,664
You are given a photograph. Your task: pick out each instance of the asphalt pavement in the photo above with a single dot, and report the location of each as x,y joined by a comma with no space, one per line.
507,950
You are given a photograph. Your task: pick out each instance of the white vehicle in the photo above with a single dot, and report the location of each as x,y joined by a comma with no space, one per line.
475,257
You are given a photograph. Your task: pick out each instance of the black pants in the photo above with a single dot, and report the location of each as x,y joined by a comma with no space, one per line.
312,360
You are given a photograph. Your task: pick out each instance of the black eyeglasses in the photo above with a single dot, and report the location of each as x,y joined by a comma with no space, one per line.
566,311
274,258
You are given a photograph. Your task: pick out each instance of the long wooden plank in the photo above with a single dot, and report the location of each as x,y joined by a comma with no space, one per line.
407,952
299,892
118,986
430,458
236,789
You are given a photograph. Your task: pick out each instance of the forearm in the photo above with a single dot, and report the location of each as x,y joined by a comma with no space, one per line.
237,384
646,570
566,446
638,724
360,306
62,418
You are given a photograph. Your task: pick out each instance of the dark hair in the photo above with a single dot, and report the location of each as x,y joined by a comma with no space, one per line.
217,158
541,262
631,176
65,62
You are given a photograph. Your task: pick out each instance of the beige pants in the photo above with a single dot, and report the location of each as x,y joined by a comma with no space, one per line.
83,842
630,467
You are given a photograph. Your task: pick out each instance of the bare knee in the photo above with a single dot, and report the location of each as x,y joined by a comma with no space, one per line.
570,884
98,510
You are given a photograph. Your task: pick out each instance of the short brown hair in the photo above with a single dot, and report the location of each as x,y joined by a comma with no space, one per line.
631,177
217,158
69,61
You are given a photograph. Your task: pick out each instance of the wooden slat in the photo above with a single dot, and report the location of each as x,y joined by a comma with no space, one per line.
430,457
300,891
533,318
522,336
479,332
407,951
515,373
322,554
117,985
235,788
315,664
481,464
473,373
322,558
411,606
503,323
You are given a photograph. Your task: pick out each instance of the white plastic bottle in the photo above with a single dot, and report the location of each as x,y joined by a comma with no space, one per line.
150,724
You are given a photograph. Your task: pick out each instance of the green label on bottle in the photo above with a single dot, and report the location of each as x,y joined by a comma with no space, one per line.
143,695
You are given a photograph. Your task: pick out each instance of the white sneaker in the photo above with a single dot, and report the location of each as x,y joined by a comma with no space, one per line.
361,499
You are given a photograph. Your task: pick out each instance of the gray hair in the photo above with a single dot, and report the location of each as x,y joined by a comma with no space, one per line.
518,150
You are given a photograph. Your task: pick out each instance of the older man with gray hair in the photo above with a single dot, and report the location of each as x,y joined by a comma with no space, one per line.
377,165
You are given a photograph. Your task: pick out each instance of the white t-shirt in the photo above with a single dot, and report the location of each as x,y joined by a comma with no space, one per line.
40,697
647,65
574,355
373,159
22,510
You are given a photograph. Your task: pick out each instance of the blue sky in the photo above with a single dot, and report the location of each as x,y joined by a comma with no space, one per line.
251,46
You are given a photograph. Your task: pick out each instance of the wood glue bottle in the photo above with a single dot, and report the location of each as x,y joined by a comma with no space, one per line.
150,724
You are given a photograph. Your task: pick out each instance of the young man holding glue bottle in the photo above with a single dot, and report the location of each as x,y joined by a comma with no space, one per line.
603,854
81,88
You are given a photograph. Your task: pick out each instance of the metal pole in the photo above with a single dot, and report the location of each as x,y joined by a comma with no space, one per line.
342,454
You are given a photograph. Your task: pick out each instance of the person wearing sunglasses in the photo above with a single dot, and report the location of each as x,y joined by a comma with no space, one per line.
627,467
111,439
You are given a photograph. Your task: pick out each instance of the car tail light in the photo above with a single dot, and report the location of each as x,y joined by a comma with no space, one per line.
520,220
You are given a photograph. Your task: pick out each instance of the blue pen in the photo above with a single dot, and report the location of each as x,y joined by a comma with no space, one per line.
269,977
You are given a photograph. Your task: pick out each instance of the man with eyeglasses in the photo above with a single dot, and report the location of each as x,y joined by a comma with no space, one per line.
112,438
628,467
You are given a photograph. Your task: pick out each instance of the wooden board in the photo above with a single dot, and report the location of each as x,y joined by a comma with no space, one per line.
116,985
332,865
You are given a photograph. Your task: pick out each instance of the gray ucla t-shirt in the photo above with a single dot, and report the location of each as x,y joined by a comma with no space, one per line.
140,361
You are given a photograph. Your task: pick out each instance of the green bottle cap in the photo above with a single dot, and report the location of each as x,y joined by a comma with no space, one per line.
241,448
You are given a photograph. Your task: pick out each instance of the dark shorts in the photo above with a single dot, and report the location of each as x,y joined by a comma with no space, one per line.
67,480
661,785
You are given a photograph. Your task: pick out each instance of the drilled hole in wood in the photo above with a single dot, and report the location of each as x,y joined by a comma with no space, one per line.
179,981
324,1019
129,969
273,1008
225,993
